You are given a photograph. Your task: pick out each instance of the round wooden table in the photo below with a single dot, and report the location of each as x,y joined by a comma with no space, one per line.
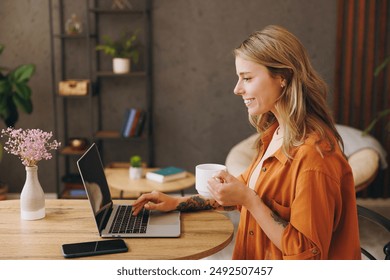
118,179
69,221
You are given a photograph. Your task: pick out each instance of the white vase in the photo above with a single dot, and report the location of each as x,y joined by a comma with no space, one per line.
135,173
32,198
121,65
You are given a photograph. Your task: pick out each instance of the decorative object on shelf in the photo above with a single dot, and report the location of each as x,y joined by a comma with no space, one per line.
120,65
124,51
15,92
78,144
121,5
73,26
31,146
135,169
74,87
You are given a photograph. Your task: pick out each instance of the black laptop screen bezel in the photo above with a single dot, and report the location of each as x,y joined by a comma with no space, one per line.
92,174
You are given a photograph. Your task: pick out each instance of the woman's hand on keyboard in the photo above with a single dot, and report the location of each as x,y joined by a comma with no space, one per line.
156,201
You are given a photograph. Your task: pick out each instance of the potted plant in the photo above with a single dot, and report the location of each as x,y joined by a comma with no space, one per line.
135,170
15,92
123,50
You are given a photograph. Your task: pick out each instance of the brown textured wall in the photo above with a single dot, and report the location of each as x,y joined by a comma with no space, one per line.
197,117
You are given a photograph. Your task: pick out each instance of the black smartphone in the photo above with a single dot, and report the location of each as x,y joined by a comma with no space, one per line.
83,249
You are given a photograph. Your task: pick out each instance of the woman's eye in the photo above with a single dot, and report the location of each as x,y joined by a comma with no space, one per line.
246,79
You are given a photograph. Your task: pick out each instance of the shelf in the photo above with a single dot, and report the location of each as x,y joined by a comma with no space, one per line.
71,152
112,74
118,165
85,96
73,186
107,134
116,12
113,134
77,36
66,49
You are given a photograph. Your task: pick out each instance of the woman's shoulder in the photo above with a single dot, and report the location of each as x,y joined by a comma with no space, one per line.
322,156
320,150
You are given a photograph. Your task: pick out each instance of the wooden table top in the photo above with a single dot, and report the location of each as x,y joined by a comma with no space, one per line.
118,178
69,221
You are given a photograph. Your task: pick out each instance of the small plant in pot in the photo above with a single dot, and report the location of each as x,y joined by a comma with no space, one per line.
135,170
124,51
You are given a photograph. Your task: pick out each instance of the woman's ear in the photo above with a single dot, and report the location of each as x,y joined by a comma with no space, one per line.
283,82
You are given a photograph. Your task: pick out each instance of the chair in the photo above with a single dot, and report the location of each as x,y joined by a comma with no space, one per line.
380,220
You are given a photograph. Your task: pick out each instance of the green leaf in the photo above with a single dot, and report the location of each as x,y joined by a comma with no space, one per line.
12,114
135,56
22,73
107,40
136,161
5,87
4,112
23,90
380,115
107,50
381,66
23,104
118,48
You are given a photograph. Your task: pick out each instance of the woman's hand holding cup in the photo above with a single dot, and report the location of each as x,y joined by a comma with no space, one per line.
227,190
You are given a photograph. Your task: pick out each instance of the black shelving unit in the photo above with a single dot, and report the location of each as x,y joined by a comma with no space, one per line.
92,104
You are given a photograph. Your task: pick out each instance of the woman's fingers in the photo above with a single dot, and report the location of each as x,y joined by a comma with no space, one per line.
143,200
155,201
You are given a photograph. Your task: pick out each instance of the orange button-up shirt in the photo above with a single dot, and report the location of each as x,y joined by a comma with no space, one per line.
314,192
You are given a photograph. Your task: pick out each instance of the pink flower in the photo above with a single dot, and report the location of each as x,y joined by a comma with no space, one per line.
30,145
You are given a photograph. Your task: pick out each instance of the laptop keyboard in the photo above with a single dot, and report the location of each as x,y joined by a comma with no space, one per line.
125,222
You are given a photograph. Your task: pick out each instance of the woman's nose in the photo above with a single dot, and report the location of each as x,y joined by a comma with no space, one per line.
237,89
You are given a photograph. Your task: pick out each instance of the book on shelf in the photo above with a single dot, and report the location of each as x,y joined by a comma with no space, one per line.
129,121
125,121
166,174
141,123
133,122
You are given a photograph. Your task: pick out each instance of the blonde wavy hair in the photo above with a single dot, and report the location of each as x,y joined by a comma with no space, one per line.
302,104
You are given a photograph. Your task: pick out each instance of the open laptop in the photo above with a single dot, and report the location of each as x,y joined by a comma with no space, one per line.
115,220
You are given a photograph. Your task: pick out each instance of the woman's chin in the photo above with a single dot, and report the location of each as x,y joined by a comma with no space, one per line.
253,111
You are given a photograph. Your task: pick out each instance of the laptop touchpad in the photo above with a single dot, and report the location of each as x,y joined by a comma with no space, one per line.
161,218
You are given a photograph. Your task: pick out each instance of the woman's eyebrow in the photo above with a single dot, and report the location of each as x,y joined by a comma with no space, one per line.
243,73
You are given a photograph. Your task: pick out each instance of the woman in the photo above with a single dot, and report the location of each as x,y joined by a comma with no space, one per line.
297,198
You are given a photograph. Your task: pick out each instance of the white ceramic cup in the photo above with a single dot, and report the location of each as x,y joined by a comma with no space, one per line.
203,172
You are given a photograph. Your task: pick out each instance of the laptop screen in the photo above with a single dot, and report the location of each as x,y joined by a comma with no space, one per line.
95,183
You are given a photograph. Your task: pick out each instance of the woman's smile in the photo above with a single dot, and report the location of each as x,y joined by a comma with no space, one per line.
248,101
